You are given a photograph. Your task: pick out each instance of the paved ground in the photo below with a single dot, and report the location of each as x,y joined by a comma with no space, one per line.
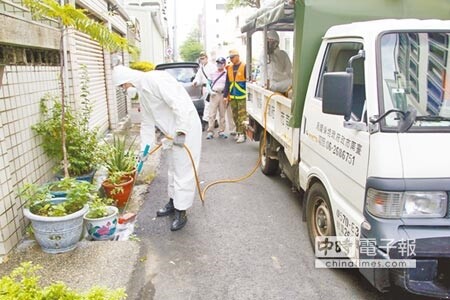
247,242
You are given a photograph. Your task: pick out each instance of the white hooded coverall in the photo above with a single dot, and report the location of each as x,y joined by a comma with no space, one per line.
279,67
164,100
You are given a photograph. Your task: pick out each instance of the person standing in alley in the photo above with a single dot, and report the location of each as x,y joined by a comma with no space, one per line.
203,78
235,93
164,100
216,102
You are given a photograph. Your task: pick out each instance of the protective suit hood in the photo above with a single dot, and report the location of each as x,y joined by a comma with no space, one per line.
122,74
273,35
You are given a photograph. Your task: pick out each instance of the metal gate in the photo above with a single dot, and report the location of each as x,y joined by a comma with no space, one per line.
90,54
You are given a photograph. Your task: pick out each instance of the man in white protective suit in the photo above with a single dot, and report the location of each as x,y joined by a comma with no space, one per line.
279,66
166,104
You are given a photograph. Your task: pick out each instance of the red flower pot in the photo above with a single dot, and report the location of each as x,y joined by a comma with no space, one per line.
120,192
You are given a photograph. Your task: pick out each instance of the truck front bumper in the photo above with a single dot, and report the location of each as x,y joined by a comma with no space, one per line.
430,277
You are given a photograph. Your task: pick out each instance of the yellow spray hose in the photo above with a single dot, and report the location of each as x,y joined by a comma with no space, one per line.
203,192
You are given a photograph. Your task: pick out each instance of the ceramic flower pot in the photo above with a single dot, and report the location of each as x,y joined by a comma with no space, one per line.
89,177
119,192
57,234
102,228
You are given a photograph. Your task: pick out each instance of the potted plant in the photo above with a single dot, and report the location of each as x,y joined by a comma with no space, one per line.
57,222
118,186
101,218
120,162
81,140
60,188
118,157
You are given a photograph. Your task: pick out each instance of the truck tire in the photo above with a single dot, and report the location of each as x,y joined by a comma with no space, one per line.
269,166
319,215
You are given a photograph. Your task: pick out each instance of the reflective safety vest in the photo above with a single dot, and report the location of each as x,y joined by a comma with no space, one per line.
237,82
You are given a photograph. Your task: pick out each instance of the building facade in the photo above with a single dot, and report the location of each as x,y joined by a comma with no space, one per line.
152,32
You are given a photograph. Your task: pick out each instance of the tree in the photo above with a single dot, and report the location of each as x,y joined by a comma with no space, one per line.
71,17
232,4
191,48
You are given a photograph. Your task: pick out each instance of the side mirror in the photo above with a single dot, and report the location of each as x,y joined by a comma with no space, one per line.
337,94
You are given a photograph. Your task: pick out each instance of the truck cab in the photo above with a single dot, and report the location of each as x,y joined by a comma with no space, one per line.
374,132
366,133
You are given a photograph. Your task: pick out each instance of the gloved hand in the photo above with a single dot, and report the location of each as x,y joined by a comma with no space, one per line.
166,143
143,157
179,139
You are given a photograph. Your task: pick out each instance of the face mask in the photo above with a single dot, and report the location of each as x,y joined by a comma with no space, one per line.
132,92
271,46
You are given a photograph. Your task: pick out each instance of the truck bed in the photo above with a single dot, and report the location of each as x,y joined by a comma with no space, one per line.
278,116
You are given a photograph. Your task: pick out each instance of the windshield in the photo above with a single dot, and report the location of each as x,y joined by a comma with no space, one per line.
414,75
182,74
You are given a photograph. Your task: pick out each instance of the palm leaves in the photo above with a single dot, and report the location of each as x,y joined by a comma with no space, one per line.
76,18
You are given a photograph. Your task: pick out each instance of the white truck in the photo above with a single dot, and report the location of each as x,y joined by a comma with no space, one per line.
366,134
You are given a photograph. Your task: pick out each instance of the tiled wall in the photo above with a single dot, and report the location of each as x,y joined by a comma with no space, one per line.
21,157
29,68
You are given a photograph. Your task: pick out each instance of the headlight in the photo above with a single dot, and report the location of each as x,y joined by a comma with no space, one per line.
424,204
406,204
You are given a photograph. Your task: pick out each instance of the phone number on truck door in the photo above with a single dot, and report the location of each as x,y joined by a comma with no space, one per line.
343,154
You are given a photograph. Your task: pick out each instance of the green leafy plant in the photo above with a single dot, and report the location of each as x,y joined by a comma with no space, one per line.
117,178
191,48
33,193
117,157
23,283
40,202
98,207
82,141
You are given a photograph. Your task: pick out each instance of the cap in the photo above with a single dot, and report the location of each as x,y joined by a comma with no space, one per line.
273,35
233,52
221,60
202,54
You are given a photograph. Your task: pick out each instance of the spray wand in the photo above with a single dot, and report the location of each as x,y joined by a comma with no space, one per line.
128,217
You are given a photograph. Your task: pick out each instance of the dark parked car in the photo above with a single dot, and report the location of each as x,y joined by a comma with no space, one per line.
184,72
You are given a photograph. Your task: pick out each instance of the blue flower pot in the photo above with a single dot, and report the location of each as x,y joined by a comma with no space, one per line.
57,234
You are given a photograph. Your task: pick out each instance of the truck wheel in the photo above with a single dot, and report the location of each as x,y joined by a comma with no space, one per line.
319,215
269,166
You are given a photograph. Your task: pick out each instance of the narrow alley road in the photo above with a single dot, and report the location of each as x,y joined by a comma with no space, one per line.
247,242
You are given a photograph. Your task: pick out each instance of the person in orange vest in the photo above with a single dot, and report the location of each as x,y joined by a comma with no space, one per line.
235,93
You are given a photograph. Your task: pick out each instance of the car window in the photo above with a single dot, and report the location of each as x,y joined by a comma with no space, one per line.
184,75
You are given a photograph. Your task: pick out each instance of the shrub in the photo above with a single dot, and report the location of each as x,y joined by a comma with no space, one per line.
81,140
144,66
23,283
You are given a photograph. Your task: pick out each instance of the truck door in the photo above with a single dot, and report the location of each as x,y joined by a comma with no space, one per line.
338,156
